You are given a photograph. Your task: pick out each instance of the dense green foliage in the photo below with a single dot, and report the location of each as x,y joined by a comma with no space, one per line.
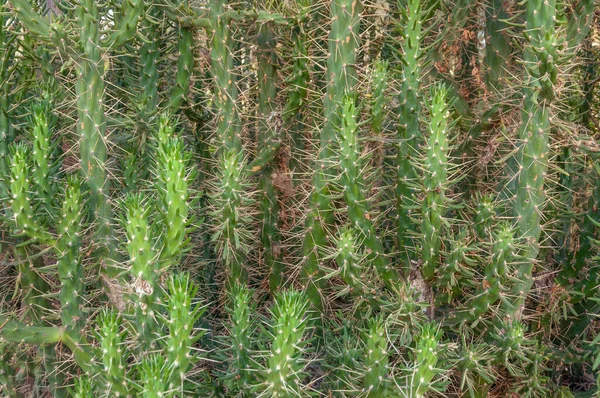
398,198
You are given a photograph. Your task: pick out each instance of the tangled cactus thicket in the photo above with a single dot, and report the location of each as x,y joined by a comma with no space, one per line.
398,198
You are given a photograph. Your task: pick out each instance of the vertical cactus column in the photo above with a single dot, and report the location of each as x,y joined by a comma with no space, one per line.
426,358
267,136
435,182
185,65
91,128
376,380
341,79
354,195
229,192
540,59
409,132
285,364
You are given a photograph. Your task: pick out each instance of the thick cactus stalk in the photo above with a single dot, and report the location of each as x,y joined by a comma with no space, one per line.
20,198
149,56
376,380
225,88
435,182
70,269
91,129
41,155
229,203
426,358
284,373
541,73
152,375
354,191
409,132
174,176
341,79
185,65
485,211
143,255
267,140
240,373
182,316
113,354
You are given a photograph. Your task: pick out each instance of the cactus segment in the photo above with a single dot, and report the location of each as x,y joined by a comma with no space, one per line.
185,66
376,379
435,182
113,354
409,132
285,364
341,79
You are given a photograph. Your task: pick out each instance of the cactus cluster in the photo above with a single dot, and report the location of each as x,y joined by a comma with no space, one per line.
299,198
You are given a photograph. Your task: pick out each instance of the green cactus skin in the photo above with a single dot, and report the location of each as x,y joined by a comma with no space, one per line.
229,202
267,138
20,197
426,358
91,128
284,373
70,269
84,387
503,258
131,12
182,316
185,66
354,191
534,133
376,380
41,155
174,176
379,102
240,376
456,274
341,78
143,255
17,332
409,132
149,56
435,182
152,375
225,88
113,354
7,373
485,211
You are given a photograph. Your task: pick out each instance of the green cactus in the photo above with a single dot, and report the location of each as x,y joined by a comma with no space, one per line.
409,132
113,354
435,182
376,380
426,357
283,375
185,66
341,78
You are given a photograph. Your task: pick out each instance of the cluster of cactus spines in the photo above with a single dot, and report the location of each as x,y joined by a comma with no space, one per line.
485,212
435,181
285,366
409,132
152,375
341,78
456,274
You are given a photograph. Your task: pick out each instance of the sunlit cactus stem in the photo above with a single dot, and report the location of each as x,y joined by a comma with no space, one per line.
268,139
354,190
68,246
435,182
541,55
409,133
341,79
376,381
